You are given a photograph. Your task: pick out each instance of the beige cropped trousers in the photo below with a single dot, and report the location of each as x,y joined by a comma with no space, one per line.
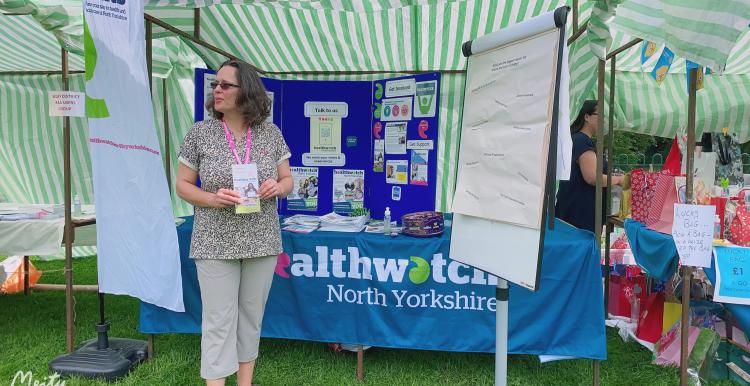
234,294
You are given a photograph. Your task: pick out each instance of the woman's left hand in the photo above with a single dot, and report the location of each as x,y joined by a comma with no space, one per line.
269,188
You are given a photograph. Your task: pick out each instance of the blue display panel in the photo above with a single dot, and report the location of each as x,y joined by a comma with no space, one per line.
355,143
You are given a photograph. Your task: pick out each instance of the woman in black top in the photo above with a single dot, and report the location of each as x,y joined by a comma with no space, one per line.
576,197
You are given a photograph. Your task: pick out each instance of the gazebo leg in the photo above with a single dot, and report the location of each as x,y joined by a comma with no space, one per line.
25,275
360,363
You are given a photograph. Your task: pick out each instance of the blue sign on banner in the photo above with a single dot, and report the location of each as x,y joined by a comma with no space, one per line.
732,275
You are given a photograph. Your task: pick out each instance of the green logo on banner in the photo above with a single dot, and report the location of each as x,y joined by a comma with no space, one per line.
421,272
95,108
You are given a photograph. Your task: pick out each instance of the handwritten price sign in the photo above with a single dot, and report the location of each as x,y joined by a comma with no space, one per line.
732,275
692,231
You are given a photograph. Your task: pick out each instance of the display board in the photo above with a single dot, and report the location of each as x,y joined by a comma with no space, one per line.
354,144
508,157
407,140
322,122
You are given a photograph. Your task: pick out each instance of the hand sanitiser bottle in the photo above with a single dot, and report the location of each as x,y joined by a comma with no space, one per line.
76,205
387,221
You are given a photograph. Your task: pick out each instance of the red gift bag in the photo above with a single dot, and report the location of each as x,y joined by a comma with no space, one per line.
651,318
739,230
661,209
641,184
621,290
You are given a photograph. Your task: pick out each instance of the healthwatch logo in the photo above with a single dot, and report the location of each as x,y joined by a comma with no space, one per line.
420,272
390,274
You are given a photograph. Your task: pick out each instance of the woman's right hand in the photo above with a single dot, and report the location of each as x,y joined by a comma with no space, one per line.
225,198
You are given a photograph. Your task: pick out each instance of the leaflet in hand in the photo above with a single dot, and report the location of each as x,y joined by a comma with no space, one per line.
245,180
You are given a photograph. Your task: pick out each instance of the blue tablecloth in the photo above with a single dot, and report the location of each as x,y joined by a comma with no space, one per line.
656,253
405,292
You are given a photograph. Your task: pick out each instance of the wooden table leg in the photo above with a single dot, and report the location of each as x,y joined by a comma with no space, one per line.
25,275
360,363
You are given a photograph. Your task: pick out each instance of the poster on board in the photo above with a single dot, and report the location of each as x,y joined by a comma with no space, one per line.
304,195
348,190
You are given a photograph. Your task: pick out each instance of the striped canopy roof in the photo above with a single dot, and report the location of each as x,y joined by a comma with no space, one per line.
289,37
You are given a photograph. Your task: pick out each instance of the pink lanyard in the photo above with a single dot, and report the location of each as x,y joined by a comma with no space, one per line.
233,147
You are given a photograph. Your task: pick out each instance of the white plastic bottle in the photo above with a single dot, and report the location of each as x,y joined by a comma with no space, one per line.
717,228
387,221
76,205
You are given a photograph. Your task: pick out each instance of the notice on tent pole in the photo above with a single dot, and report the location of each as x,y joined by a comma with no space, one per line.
67,104
692,231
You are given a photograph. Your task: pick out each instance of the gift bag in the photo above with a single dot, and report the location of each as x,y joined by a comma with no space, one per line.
651,318
14,272
641,191
701,192
625,204
739,230
622,291
661,209
729,158
618,249
704,171
667,348
672,314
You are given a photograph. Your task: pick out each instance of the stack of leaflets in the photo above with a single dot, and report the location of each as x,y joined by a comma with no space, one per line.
301,223
334,222
376,226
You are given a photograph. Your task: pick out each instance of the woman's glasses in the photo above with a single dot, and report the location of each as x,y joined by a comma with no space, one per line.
223,85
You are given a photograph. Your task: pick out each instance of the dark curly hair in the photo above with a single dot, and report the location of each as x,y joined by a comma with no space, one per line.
251,100
588,108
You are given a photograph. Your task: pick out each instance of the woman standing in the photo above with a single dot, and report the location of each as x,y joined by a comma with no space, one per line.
576,197
235,254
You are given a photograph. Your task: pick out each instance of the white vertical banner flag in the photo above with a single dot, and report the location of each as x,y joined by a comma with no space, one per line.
136,234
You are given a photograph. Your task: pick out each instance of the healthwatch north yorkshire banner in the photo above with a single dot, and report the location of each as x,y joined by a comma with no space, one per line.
405,292
136,236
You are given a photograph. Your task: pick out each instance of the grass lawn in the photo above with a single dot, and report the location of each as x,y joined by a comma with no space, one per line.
33,333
